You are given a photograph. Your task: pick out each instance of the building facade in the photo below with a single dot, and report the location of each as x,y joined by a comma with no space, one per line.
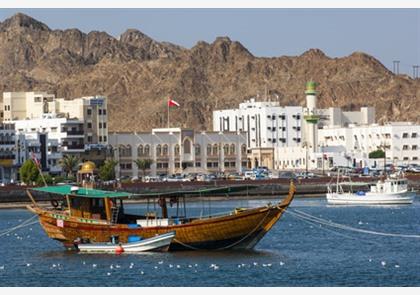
176,150
286,137
12,152
351,146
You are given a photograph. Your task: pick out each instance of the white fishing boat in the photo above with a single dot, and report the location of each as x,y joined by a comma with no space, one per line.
392,190
157,243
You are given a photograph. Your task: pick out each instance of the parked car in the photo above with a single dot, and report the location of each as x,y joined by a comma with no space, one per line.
305,175
248,175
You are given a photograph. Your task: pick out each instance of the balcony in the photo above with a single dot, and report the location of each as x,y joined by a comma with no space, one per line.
7,157
7,142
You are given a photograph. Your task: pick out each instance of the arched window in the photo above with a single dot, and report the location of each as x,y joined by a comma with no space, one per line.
121,151
208,149
147,150
158,150
140,151
187,146
243,149
226,149
232,149
197,150
215,150
165,150
176,150
128,151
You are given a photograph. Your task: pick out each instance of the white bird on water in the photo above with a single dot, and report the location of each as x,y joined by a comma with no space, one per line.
170,266
28,264
383,263
281,263
2,267
108,273
160,262
397,266
94,265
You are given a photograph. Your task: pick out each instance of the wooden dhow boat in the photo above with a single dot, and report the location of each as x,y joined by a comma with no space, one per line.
98,216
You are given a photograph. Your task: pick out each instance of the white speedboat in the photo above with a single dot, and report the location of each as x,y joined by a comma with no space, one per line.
157,243
393,190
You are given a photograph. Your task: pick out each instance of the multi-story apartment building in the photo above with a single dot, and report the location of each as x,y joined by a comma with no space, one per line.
176,150
53,126
400,141
12,152
280,137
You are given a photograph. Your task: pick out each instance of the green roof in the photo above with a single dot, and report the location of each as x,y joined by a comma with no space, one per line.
82,192
94,193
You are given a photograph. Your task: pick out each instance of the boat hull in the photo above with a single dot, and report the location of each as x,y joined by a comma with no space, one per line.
158,243
242,230
370,198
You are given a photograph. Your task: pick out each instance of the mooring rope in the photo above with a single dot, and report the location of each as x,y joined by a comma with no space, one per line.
306,216
20,225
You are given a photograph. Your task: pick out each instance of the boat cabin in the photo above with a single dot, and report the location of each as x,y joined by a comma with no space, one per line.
390,186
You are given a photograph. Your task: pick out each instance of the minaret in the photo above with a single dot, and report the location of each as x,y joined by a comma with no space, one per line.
311,117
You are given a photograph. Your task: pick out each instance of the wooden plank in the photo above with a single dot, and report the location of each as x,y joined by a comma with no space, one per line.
31,197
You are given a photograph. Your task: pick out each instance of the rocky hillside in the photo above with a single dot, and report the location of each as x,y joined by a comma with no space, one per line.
138,74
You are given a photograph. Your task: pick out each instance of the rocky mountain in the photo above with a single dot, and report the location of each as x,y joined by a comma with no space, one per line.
138,74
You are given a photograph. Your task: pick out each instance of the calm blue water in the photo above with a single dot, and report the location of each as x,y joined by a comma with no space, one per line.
293,253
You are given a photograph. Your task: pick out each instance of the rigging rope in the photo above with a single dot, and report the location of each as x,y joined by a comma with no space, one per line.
21,225
306,216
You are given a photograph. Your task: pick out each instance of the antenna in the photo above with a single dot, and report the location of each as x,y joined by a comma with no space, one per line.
415,71
396,67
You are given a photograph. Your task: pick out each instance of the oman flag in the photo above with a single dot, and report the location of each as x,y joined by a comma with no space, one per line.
172,103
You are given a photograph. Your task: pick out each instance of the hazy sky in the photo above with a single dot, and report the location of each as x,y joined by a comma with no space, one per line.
387,34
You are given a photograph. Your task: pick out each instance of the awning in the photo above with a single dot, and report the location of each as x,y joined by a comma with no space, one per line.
81,192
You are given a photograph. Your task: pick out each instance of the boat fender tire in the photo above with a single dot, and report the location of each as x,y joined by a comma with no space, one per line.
54,203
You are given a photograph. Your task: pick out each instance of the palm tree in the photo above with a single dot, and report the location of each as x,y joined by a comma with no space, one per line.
143,164
69,164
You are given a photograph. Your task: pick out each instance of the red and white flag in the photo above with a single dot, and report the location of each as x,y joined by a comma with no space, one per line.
36,161
172,103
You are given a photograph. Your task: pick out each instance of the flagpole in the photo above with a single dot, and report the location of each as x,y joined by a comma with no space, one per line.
168,112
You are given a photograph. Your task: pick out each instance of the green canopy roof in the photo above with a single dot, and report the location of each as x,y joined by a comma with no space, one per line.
81,192
95,193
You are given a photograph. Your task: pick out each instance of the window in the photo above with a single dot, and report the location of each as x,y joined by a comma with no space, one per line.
100,138
165,150
89,139
89,125
208,164
100,111
104,112
414,147
232,149
197,150
227,164
105,139
100,125
140,151
405,147
405,135
158,150
89,112
215,150
147,150
226,149
233,164
208,149
104,125
415,158
176,150
243,149
414,135
197,164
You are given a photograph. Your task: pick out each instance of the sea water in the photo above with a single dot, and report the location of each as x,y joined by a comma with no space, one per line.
293,253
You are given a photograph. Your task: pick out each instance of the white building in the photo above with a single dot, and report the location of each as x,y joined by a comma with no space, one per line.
286,137
176,150
12,153
352,145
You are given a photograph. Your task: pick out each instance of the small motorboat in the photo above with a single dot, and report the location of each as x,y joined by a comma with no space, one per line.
157,243
391,191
